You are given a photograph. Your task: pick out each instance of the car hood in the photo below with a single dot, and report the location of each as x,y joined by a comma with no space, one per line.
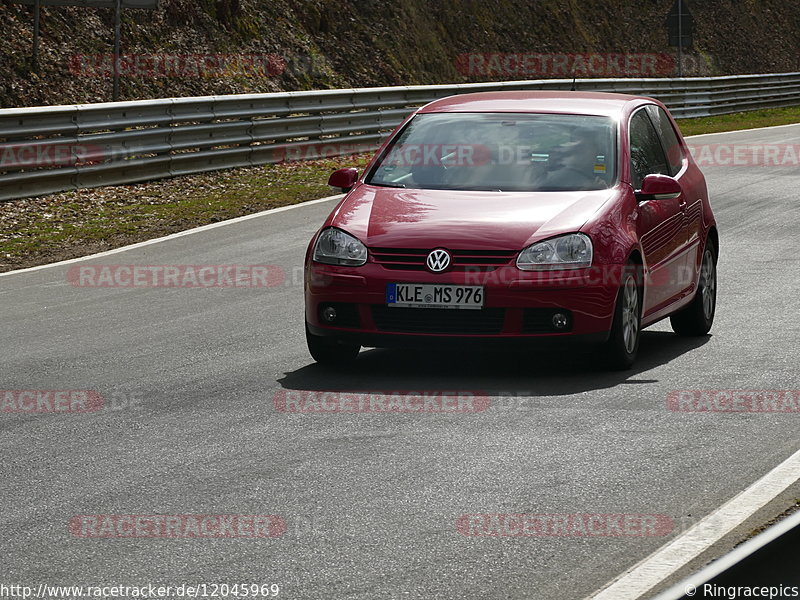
404,218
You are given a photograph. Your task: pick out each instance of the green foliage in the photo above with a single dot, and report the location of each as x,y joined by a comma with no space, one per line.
744,120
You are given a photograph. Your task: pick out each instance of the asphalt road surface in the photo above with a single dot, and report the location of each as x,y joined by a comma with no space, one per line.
371,502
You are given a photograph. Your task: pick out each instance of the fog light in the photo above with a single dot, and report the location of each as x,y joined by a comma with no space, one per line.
560,321
329,314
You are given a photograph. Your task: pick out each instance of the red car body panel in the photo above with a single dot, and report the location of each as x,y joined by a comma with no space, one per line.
667,236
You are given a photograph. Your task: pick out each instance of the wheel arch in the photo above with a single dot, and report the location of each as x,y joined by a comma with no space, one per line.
635,257
713,236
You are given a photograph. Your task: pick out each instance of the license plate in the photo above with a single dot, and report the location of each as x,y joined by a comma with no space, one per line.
429,295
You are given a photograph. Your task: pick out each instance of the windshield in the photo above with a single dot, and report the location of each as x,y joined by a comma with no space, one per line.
500,152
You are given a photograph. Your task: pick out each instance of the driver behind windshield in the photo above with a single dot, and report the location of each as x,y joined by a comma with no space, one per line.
582,165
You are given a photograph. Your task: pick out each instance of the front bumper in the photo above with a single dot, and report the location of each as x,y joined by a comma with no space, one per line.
518,305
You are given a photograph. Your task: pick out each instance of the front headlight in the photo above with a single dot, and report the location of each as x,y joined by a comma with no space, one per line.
335,247
573,251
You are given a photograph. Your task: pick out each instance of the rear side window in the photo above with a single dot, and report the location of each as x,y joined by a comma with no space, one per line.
647,154
668,136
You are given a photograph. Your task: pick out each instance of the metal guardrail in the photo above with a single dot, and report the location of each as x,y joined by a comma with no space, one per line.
57,148
767,560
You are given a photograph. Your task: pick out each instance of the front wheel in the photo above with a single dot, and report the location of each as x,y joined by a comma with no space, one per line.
331,351
623,343
696,319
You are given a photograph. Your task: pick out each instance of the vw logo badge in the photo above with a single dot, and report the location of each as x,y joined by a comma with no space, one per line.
438,260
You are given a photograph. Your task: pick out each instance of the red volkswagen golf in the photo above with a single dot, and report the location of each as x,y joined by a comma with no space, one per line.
516,216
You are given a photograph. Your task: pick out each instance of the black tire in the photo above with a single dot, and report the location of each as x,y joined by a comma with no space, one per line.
330,350
623,343
698,317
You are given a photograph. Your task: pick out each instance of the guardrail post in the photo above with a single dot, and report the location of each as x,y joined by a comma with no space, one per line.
117,28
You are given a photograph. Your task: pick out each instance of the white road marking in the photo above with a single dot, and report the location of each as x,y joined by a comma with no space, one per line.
261,214
669,558
665,561
173,235
740,130
732,558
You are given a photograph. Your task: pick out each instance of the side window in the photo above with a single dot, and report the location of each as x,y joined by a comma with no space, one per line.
647,155
671,145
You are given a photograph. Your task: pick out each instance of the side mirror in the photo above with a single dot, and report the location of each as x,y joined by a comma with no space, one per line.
659,187
343,179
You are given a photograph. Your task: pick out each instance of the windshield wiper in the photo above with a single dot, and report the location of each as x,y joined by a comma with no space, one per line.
387,184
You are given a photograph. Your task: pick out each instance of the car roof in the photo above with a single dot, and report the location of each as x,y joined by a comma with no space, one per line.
584,103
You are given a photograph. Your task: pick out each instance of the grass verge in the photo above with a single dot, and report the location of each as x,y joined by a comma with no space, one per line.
45,229
746,120
36,231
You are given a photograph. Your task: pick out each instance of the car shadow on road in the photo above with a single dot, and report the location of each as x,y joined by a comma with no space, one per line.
534,371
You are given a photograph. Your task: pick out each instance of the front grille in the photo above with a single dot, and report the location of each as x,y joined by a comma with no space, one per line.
413,259
540,320
438,320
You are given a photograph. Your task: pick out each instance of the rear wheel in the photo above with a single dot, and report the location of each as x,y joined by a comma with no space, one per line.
623,343
696,319
330,350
